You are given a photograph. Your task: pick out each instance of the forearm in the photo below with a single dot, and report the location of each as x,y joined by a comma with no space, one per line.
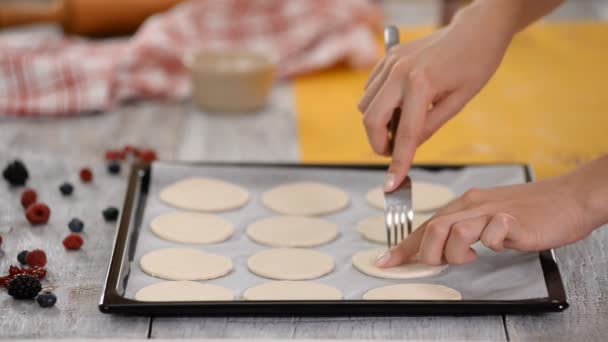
589,185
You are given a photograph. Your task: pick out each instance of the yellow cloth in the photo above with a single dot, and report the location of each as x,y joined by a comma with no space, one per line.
547,105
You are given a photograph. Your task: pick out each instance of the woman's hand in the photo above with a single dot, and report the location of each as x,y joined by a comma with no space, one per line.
525,217
430,79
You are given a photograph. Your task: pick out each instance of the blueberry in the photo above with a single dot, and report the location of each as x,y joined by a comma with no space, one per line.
76,225
46,299
110,214
114,167
21,257
15,173
66,189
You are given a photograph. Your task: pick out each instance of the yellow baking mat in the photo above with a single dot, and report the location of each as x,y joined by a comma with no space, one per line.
547,105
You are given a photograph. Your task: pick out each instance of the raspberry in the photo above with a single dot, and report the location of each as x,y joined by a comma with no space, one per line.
114,167
22,257
76,225
110,214
86,175
73,241
37,257
66,189
115,155
37,272
5,280
24,286
28,197
46,299
15,173
147,155
130,149
38,213
14,270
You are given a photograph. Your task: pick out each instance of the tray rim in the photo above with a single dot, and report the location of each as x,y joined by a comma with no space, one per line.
113,302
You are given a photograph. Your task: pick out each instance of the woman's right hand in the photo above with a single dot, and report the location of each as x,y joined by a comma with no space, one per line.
430,79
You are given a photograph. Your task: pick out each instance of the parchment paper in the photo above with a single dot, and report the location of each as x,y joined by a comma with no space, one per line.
494,276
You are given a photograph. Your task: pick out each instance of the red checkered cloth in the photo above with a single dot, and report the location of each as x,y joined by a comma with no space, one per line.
52,75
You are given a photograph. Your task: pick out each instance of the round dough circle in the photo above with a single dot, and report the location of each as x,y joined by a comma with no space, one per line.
183,291
191,227
184,264
373,229
204,194
413,292
290,264
292,290
292,231
305,198
426,196
365,261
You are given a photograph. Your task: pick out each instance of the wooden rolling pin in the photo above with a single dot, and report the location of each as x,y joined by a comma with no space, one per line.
93,18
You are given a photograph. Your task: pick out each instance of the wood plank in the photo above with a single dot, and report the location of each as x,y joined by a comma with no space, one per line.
53,151
583,266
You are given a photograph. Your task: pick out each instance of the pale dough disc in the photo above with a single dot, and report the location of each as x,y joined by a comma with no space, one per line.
204,194
373,228
292,290
292,231
191,227
426,196
413,292
305,198
184,264
290,264
365,261
183,291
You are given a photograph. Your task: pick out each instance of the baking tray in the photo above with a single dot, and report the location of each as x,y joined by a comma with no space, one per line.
123,268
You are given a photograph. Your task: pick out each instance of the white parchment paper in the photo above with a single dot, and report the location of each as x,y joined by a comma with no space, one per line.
494,276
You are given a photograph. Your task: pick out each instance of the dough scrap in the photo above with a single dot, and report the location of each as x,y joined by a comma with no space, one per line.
426,196
292,290
204,194
365,261
183,291
290,264
292,231
413,292
305,198
373,228
184,264
191,227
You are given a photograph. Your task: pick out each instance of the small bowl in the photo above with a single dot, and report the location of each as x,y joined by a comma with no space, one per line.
231,81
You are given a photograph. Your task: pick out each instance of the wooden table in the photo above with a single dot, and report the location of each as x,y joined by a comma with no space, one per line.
54,150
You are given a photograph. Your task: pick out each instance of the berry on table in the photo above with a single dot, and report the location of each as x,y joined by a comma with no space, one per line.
147,155
86,175
110,214
28,197
24,286
73,241
130,149
66,189
114,167
15,173
46,299
36,258
22,257
115,155
76,225
38,213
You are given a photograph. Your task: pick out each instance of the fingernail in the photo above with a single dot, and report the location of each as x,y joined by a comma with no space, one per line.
383,258
389,182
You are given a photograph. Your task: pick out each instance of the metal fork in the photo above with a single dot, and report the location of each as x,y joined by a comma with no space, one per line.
398,203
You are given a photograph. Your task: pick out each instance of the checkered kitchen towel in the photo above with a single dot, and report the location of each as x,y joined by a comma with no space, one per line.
55,75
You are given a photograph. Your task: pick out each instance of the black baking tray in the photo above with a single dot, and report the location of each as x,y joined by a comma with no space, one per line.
113,300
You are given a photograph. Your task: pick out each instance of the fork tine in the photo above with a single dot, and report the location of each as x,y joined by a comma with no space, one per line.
388,223
396,225
403,221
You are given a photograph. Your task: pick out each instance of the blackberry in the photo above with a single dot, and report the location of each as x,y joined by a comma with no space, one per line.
110,214
114,167
66,189
46,299
24,286
22,257
76,225
16,173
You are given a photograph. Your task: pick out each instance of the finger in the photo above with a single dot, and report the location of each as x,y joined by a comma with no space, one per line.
462,235
413,111
496,232
442,111
376,84
520,236
403,252
375,72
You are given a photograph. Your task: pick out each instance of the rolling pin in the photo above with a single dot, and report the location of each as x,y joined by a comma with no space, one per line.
93,18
